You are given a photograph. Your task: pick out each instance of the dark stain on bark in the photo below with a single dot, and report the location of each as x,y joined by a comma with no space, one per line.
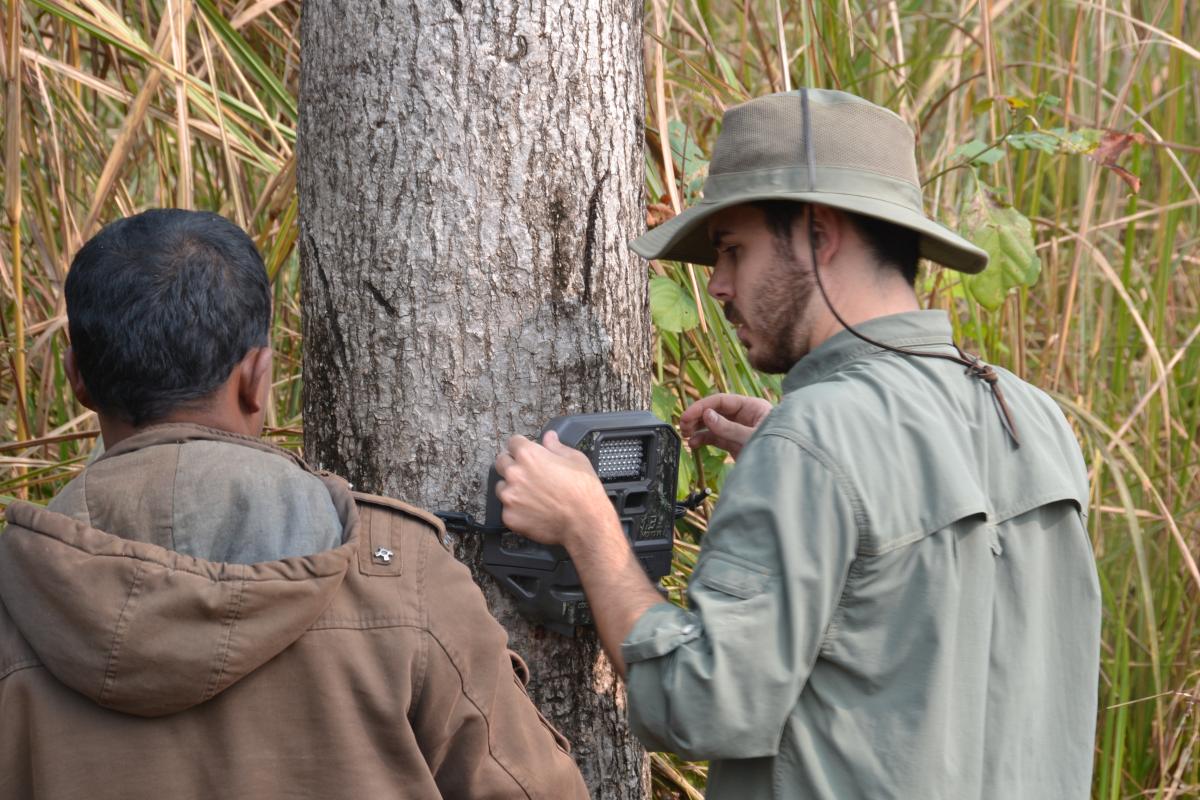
560,259
520,50
589,239
381,300
331,316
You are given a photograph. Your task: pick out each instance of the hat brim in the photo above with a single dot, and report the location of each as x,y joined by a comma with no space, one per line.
684,237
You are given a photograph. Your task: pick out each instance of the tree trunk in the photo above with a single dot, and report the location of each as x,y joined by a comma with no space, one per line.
470,174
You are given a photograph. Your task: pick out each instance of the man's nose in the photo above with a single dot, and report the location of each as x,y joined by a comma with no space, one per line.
720,284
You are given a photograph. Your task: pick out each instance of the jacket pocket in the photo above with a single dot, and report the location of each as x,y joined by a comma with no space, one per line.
563,743
736,578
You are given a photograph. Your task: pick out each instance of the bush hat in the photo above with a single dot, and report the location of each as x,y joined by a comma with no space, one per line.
812,146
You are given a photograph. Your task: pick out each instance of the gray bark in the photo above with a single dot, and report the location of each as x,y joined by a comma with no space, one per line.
470,175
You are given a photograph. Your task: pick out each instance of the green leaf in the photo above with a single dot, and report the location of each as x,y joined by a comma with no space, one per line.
662,403
653,180
715,467
1034,140
671,306
1077,142
983,106
689,158
1007,236
978,152
687,476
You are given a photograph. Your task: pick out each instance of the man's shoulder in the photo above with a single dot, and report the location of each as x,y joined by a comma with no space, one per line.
423,521
71,500
402,558
924,444
811,413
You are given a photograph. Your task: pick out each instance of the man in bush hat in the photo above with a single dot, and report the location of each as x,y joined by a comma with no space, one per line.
896,596
199,614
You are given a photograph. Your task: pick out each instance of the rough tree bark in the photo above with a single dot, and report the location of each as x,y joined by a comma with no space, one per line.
469,176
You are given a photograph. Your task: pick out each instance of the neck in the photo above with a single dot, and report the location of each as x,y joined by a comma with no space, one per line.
115,430
856,304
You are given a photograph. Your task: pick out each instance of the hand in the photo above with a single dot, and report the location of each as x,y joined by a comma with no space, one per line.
549,491
723,420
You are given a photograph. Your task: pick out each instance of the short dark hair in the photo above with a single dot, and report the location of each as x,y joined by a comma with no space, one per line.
892,245
161,307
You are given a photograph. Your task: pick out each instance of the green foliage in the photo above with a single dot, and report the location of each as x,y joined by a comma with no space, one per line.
1007,236
978,153
671,306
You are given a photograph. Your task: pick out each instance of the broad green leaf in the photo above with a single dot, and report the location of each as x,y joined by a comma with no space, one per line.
689,158
671,306
1007,236
983,106
1034,140
978,152
687,475
715,467
662,403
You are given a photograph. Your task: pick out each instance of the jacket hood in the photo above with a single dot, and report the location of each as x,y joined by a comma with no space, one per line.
149,631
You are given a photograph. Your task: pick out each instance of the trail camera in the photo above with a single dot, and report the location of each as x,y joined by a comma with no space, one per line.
636,457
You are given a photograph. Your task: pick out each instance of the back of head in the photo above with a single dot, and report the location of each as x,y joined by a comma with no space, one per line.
162,306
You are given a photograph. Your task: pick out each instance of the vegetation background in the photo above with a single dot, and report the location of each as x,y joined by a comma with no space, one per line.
1062,136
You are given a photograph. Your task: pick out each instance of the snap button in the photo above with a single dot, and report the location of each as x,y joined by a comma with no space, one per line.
686,629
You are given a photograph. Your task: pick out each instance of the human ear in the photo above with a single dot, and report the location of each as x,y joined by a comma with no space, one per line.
254,379
826,230
71,367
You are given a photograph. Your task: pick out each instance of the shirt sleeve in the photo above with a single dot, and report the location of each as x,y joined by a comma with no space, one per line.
719,679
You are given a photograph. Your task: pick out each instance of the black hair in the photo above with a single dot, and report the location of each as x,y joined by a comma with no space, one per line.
892,245
161,307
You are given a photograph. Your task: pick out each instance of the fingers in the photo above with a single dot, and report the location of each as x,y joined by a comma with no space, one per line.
504,463
574,457
692,417
725,404
711,439
726,429
704,436
721,432
518,445
551,442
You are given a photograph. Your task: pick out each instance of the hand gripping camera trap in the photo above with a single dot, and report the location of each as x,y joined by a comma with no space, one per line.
636,456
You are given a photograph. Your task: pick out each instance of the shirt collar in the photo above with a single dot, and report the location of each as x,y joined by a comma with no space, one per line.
907,329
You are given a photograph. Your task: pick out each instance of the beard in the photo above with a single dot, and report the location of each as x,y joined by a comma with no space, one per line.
778,307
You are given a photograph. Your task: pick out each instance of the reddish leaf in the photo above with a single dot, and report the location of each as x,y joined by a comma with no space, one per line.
657,214
1111,146
1135,183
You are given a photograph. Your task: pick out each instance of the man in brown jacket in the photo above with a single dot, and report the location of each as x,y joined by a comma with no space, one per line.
200,615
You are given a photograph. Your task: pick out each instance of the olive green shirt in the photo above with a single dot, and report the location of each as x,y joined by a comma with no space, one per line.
893,600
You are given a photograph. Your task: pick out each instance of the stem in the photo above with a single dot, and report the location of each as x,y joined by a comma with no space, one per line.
12,204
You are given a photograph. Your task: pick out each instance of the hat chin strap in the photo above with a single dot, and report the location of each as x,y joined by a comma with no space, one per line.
976,368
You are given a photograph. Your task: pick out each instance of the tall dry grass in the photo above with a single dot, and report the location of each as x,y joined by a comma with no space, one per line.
1078,116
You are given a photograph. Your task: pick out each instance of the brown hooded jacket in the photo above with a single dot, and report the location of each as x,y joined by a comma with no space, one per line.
369,670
